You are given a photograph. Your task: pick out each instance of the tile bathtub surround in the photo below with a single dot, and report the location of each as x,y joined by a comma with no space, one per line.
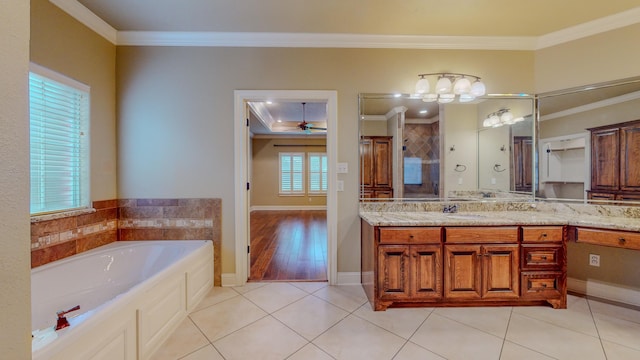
173,219
56,238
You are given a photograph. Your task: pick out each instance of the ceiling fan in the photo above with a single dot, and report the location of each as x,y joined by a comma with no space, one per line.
305,126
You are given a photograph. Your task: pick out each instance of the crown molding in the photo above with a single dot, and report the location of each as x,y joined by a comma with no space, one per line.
593,106
309,40
88,18
607,23
314,40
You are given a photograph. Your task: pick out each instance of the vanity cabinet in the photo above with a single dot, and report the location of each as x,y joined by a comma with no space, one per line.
409,263
543,264
612,238
463,265
481,263
376,172
615,162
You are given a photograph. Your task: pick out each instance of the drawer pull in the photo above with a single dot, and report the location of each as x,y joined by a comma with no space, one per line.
622,240
543,257
410,236
544,285
544,234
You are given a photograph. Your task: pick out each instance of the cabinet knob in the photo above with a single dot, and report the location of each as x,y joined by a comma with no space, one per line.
544,234
543,257
544,285
622,240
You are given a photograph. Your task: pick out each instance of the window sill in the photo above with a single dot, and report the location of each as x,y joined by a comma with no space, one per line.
60,215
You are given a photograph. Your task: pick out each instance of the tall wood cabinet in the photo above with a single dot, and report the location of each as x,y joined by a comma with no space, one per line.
523,163
615,162
376,172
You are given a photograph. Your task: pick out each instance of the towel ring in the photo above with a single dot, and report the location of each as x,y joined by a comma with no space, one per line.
460,168
497,167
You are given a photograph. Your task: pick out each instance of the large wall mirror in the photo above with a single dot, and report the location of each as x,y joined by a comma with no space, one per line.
414,150
589,144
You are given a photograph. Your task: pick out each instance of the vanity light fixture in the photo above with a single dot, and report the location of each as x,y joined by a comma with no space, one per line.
448,86
501,117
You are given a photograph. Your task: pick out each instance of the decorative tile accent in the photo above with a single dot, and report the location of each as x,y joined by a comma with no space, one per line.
56,237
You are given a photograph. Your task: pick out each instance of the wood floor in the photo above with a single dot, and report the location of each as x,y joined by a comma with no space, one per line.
288,245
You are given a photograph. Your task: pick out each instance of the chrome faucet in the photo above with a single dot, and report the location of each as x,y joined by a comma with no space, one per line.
450,209
62,320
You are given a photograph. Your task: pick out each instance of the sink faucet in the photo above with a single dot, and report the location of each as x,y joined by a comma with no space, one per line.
62,320
450,209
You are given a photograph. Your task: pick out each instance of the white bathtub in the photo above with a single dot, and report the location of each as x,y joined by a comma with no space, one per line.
131,294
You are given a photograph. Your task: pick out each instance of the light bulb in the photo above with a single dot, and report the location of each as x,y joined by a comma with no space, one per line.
446,98
494,120
462,86
486,122
466,98
507,118
422,86
430,97
478,88
443,85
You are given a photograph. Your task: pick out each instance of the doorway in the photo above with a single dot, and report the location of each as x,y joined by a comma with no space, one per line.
242,160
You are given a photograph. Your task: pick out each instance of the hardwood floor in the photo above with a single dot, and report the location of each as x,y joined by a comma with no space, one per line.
288,245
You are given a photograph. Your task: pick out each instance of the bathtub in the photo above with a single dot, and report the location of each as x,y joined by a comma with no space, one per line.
132,295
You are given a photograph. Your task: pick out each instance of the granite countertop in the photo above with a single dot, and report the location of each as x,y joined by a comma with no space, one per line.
615,218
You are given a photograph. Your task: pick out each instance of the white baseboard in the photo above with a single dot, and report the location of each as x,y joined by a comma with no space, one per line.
297,207
229,279
344,278
606,291
348,278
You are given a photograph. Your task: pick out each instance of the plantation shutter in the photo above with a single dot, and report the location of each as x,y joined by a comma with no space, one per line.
317,173
291,173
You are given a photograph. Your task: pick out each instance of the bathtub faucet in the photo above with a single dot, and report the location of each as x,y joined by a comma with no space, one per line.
62,320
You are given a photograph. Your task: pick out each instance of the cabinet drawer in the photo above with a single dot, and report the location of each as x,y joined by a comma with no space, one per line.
507,234
542,234
542,285
410,235
621,239
540,258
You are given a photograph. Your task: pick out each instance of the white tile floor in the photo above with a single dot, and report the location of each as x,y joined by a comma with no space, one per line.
316,321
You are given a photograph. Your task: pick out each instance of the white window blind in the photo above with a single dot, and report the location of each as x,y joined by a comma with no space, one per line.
59,142
317,173
291,173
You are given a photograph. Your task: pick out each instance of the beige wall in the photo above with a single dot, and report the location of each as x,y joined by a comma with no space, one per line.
604,57
176,111
15,275
265,163
62,44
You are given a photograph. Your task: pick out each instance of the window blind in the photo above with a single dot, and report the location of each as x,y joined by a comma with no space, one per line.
317,173
291,173
59,146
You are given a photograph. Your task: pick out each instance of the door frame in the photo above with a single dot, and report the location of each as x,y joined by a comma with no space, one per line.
241,173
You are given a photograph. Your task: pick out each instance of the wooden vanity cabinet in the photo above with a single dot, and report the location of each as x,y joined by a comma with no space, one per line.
543,264
409,264
463,265
612,238
481,271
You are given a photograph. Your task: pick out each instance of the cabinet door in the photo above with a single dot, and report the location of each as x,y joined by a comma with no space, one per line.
500,271
605,159
462,272
382,169
426,271
630,158
366,162
393,272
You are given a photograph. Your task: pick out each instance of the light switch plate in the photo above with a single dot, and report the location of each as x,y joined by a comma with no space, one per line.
342,168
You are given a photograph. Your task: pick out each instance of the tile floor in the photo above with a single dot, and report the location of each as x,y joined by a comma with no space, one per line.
306,320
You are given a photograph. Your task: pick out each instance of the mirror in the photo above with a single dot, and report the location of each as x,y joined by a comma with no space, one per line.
415,150
564,151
